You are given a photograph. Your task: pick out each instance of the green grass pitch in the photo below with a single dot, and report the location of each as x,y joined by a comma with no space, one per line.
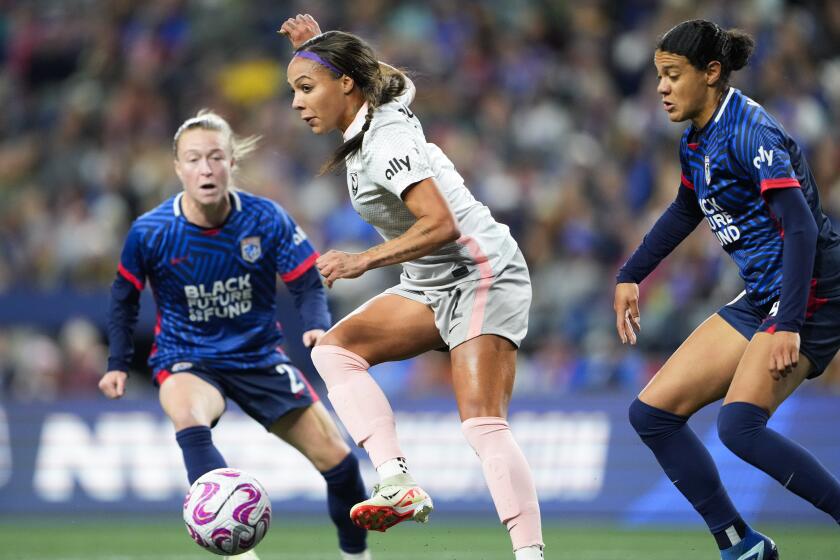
445,538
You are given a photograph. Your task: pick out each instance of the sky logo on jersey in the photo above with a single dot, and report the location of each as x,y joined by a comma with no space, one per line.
396,165
763,156
251,250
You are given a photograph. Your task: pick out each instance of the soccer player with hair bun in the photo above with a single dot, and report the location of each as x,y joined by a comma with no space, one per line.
749,180
464,288
212,254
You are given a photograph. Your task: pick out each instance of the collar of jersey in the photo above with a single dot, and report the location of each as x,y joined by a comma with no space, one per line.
235,207
695,135
357,124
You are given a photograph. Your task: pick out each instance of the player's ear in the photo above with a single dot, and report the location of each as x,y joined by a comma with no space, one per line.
713,72
347,84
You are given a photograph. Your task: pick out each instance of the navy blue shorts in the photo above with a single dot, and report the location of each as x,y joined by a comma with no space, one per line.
819,337
265,394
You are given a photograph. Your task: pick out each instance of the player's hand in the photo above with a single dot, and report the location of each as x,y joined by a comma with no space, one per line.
337,264
112,384
311,338
784,354
626,307
299,29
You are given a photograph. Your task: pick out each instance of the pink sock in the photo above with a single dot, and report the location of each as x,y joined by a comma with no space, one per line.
358,401
508,477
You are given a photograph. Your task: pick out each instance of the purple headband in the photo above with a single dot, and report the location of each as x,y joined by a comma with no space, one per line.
313,56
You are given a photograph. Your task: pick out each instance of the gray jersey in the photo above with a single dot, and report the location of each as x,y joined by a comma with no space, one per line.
394,156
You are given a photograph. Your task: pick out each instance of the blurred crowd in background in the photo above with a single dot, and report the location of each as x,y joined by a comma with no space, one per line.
547,108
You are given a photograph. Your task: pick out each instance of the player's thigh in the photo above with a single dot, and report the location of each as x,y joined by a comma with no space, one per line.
189,401
700,371
311,431
753,382
483,372
386,328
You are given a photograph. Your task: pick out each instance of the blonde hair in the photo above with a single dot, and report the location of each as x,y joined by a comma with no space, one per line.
206,119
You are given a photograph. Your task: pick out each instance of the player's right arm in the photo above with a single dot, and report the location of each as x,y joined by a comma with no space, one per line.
123,309
675,224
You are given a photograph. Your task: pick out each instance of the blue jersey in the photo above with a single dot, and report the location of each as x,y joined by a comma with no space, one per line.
215,289
730,164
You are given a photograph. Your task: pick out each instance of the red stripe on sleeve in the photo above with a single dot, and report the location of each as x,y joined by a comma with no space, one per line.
298,271
686,182
162,376
124,272
781,183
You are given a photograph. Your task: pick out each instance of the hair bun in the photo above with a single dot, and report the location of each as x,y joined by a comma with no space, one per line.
740,48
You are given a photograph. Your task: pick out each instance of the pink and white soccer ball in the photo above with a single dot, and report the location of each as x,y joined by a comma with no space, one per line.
227,511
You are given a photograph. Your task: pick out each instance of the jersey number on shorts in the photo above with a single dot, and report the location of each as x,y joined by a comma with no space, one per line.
295,384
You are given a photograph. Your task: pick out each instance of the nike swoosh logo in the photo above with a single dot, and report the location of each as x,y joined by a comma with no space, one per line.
755,553
391,496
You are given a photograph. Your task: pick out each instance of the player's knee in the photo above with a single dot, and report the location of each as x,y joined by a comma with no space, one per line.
738,425
639,417
334,363
651,422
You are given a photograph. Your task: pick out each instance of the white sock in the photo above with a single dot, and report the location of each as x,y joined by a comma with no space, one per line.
392,467
534,552
363,555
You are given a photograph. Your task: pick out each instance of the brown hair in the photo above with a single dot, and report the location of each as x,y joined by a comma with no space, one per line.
355,58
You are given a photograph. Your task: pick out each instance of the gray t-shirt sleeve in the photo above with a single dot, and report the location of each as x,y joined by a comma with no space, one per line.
395,157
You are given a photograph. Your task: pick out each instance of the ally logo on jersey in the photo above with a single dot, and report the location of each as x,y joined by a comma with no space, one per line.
396,165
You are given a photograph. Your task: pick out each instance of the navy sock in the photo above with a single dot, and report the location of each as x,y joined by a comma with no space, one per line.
743,429
687,463
345,488
200,455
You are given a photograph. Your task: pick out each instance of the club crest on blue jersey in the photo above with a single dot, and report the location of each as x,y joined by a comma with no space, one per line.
708,168
251,249
354,182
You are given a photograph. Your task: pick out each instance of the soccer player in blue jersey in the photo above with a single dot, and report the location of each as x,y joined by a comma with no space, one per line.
212,255
749,180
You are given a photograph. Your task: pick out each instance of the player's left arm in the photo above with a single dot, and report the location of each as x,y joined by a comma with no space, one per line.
799,247
435,227
766,157
311,302
296,267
